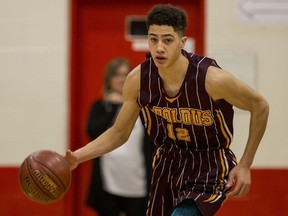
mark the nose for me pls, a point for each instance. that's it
(160, 47)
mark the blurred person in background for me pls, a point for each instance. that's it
(120, 179)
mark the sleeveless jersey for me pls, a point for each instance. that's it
(193, 134)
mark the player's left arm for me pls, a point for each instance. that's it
(223, 85)
(119, 132)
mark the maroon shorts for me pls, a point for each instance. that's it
(181, 174)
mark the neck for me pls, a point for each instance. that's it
(175, 71)
(174, 76)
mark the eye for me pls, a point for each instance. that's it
(153, 39)
(168, 41)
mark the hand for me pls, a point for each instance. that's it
(241, 176)
(71, 158)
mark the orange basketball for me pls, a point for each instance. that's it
(44, 176)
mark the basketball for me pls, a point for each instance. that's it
(44, 176)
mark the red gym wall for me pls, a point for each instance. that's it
(97, 35)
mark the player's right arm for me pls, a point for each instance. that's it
(119, 132)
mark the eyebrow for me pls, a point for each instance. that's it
(164, 35)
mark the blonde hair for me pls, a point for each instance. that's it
(111, 70)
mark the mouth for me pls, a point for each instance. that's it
(160, 59)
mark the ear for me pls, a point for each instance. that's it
(183, 41)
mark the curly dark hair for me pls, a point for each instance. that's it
(167, 15)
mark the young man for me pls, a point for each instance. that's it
(185, 102)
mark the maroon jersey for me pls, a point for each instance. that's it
(193, 134)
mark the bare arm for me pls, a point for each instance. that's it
(222, 85)
(119, 132)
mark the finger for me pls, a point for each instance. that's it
(244, 190)
(235, 191)
(68, 154)
(230, 182)
(240, 190)
(232, 194)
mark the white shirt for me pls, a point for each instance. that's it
(123, 169)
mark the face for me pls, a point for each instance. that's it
(117, 80)
(165, 45)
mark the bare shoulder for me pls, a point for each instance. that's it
(218, 81)
(221, 84)
(132, 84)
(134, 75)
(217, 75)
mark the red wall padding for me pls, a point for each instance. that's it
(268, 197)
(13, 202)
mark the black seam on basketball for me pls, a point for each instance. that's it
(32, 179)
(65, 189)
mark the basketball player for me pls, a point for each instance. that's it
(186, 104)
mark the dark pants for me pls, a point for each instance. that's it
(117, 204)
